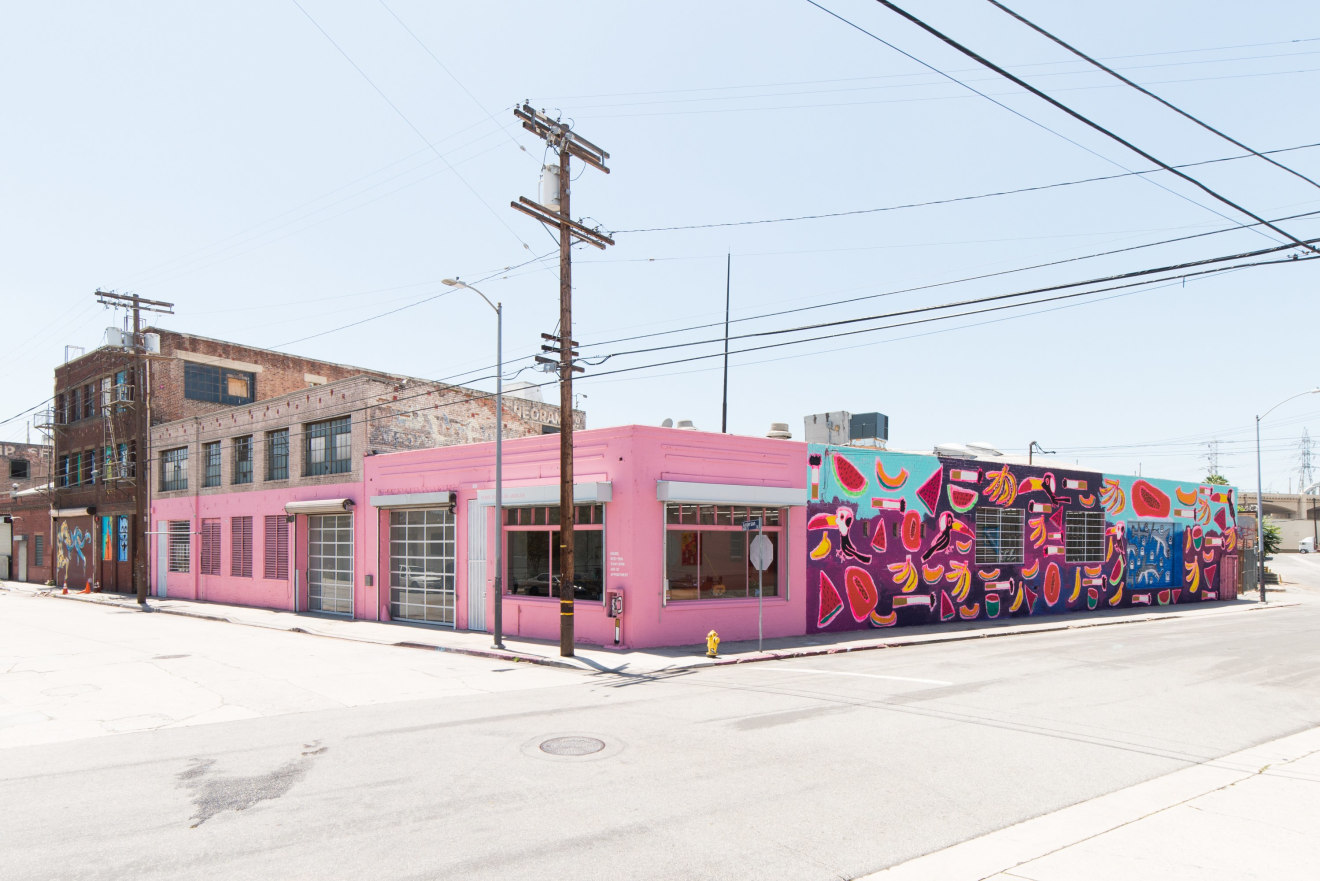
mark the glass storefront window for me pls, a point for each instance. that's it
(532, 556)
(706, 552)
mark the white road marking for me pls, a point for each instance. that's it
(864, 675)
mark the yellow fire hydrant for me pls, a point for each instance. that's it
(712, 644)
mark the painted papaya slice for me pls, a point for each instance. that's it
(912, 531)
(862, 595)
(1053, 584)
(1149, 500)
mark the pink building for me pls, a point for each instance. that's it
(659, 519)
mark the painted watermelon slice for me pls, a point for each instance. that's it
(992, 605)
(851, 480)
(862, 595)
(878, 534)
(962, 499)
(1031, 599)
(929, 492)
(831, 604)
(1221, 518)
(946, 606)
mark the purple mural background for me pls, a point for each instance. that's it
(892, 539)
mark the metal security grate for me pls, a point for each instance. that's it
(240, 547)
(1084, 536)
(210, 559)
(180, 545)
(999, 536)
(277, 547)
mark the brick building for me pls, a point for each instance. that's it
(256, 504)
(26, 502)
(95, 456)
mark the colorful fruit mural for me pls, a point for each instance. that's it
(902, 538)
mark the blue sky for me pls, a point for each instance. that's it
(286, 172)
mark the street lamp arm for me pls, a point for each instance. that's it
(1314, 391)
(455, 283)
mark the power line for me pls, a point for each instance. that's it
(1118, 76)
(1089, 122)
(952, 200)
(410, 125)
(1150, 180)
(1002, 272)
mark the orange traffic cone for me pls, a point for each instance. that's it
(66, 589)
(88, 588)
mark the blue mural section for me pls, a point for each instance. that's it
(902, 538)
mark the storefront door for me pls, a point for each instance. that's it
(330, 563)
(422, 565)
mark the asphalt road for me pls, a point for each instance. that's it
(826, 767)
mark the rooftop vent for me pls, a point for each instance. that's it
(779, 430)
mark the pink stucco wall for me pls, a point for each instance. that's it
(257, 590)
(631, 459)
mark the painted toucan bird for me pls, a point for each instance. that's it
(948, 525)
(842, 520)
(1046, 484)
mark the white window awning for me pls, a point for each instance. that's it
(319, 506)
(441, 499)
(729, 494)
(72, 512)
(548, 494)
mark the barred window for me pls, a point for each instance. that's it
(277, 454)
(1084, 536)
(174, 470)
(180, 551)
(240, 547)
(998, 536)
(243, 459)
(211, 458)
(277, 547)
(327, 449)
(39, 550)
(209, 564)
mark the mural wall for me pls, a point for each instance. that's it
(900, 538)
(73, 552)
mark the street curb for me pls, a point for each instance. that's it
(695, 663)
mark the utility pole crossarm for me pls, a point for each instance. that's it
(561, 136)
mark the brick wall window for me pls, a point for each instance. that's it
(211, 459)
(130, 460)
(1084, 536)
(219, 385)
(209, 563)
(277, 454)
(243, 459)
(180, 550)
(85, 467)
(240, 547)
(121, 386)
(19, 469)
(89, 401)
(277, 547)
(327, 448)
(39, 550)
(60, 403)
(998, 536)
(62, 470)
(174, 471)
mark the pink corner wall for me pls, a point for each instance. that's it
(632, 459)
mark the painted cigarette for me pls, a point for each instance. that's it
(1210, 594)
(1183, 512)
(914, 600)
(1093, 582)
(1075, 484)
(814, 461)
(1053, 551)
(1040, 507)
(1214, 541)
(964, 475)
(889, 504)
(999, 585)
(1141, 599)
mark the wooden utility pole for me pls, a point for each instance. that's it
(558, 135)
(141, 404)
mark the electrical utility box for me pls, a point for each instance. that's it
(868, 427)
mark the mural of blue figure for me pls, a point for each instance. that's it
(1150, 552)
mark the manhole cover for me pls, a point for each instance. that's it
(572, 746)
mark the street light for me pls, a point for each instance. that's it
(1260, 509)
(499, 456)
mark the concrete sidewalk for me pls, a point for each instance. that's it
(596, 659)
(1252, 814)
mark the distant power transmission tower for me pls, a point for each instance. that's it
(1212, 456)
(1307, 469)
